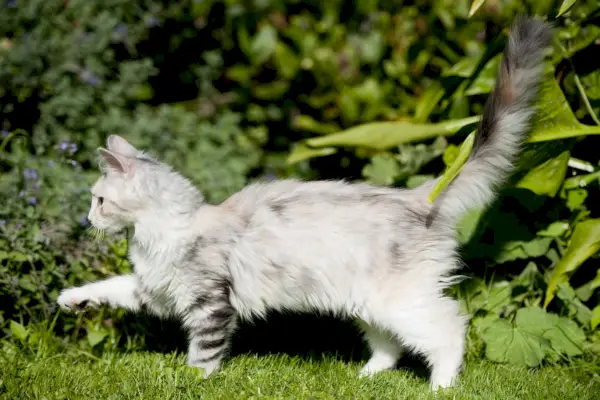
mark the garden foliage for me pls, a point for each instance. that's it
(229, 91)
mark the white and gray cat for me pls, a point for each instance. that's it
(381, 256)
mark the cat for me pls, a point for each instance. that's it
(381, 256)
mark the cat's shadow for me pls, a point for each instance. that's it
(303, 336)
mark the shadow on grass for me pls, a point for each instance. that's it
(305, 336)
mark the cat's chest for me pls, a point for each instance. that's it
(156, 273)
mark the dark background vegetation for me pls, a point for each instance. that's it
(233, 91)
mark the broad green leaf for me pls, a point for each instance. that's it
(584, 243)
(555, 229)
(546, 178)
(95, 337)
(302, 152)
(454, 169)
(517, 249)
(476, 5)
(595, 317)
(506, 343)
(564, 335)
(576, 308)
(565, 6)
(385, 135)
(555, 119)
(382, 170)
(18, 330)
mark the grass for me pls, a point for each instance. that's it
(150, 375)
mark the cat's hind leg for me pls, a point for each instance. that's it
(385, 348)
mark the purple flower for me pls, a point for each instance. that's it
(74, 163)
(88, 77)
(121, 32)
(11, 3)
(83, 221)
(30, 174)
(51, 164)
(2, 222)
(72, 148)
(4, 133)
(64, 145)
(21, 193)
(36, 187)
(32, 201)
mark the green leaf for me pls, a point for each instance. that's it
(595, 317)
(302, 152)
(555, 229)
(564, 335)
(428, 101)
(517, 249)
(506, 343)
(486, 79)
(18, 330)
(454, 169)
(308, 123)
(565, 6)
(475, 6)
(286, 61)
(17, 256)
(263, 45)
(382, 170)
(94, 337)
(555, 119)
(584, 243)
(270, 91)
(591, 84)
(585, 291)
(385, 135)
(576, 308)
(547, 178)
(576, 198)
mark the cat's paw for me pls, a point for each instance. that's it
(75, 299)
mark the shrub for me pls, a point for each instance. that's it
(224, 90)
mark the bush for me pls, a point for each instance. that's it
(231, 91)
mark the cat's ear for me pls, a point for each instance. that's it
(119, 145)
(115, 161)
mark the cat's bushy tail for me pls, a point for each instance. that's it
(505, 121)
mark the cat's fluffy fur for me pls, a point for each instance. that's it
(379, 255)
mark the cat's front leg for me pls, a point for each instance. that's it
(210, 324)
(118, 291)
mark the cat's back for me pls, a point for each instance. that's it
(326, 204)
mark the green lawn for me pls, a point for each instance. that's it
(157, 376)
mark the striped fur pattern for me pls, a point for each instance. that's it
(381, 256)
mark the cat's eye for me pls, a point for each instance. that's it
(100, 200)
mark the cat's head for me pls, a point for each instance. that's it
(133, 185)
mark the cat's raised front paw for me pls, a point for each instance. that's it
(75, 299)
